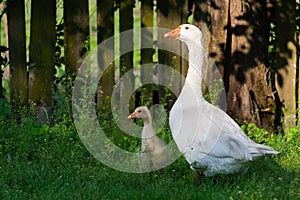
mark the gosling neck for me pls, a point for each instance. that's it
(147, 120)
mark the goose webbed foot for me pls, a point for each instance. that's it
(198, 177)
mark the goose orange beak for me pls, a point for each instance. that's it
(132, 115)
(175, 33)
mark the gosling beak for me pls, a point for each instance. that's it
(132, 115)
(175, 33)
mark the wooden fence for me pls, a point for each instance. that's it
(75, 37)
(237, 36)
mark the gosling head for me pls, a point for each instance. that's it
(141, 112)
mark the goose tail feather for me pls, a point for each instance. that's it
(260, 150)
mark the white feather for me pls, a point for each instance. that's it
(209, 139)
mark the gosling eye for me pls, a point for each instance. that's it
(187, 28)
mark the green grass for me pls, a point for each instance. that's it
(41, 162)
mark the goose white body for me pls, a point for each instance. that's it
(208, 138)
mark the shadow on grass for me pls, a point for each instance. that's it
(39, 163)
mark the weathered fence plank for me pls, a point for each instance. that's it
(250, 96)
(42, 50)
(147, 54)
(76, 30)
(285, 15)
(126, 43)
(17, 53)
(105, 30)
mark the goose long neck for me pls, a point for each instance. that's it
(194, 74)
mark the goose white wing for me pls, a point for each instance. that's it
(193, 127)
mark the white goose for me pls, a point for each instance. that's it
(209, 139)
(156, 153)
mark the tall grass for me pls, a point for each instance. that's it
(50, 162)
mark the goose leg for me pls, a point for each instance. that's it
(162, 171)
(198, 177)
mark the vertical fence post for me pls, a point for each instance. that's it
(17, 51)
(286, 58)
(126, 62)
(76, 33)
(147, 54)
(42, 50)
(105, 30)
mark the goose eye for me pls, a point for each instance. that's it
(186, 28)
(139, 111)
